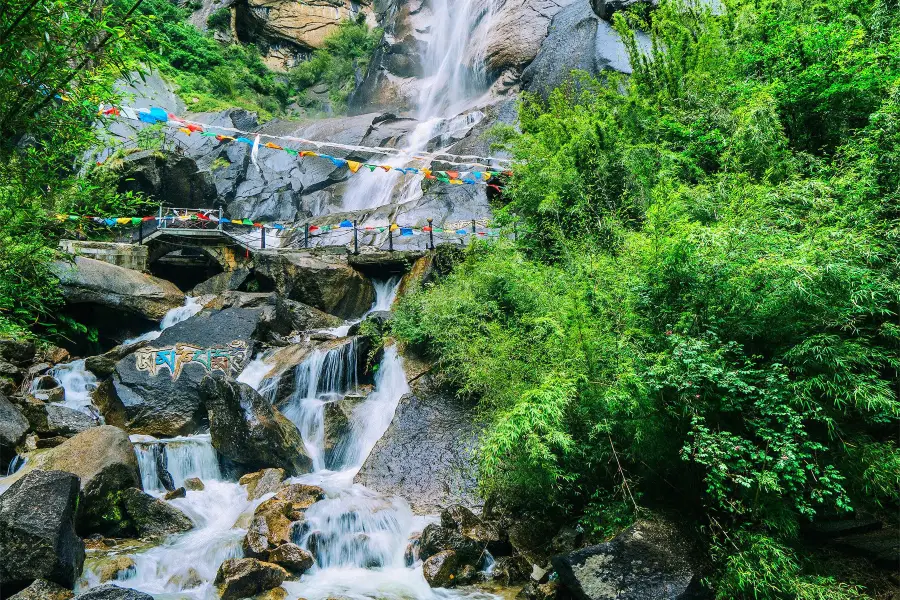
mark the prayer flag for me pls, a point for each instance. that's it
(346, 223)
(353, 165)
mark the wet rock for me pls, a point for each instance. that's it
(194, 484)
(881, 546)
(262, 482)
(186, 580)
(577, 39)
(104, 461)
(105, 364)
(465, 522)
(41, 589)
(176, 493)
(510, 570)
(113, 592)
(242, 577)
(436, 539)
(274, 519)
(16, 351)
(517, 31)
(292, 557)
(146, 516)
(169, 178)
(649, 560)
(248, 430)
(531, 538)
(117, 567)
(89, 281)
(37, 531)
(325, 282)
(440, 569)
(425, 454)
(13, 427)
(156, 391)
(296, 316)
(62, 420)
(223, 282)
(540, 591)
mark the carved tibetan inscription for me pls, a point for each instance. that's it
(225, 359)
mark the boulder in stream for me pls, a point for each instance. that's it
(248, 430)
(90, 281)
(104, 461)
(243, 577)
(324, 281)
(13, 427)
(425, 454)
(37, 531)
(143, 515)
(273, 521)
(114, 592)
(440, 569)
(293, 558)
(156, 390)
(651, 560)
(41, 589)
(262, 482)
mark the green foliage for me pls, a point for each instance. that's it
(339, 65)
(57, 62)
(219, 20)
(702, 308)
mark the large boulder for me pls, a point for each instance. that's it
(156, 390)
(13, 427)
(142, 515)
(169, 178)
(440, 569)
(114, 592)
(42, 589)
(651, 560)
(273, 521)
(517, 31)
(296, 316)
(89, 281)
(425, 456)
(248, 430)
(324, 281)
(104, 365)
(105, 463)
(577, 39)
(243, 577)
(37, 531)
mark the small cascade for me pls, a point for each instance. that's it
(77, 382)
(323, 377)
(385, 293)
(182, 457)
(176, 315)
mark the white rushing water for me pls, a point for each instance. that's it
(176, 315)
(359, 537)
(454, 79)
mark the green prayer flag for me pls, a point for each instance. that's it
(136, 220)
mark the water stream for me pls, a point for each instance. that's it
(454, 80)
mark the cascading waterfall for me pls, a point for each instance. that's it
(176, 315)
(359, 537)
(185, 456)
(455, 76)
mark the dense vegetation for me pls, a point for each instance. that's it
(214, 76)
(703, 312)
(58, 61)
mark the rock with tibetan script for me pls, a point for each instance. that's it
(156, 390)
(247, 429)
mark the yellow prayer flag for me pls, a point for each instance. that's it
(353, 165)
(123, 220)
(394, 227)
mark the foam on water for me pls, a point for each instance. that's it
(174, 316)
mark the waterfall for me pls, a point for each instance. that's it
(77, 382)
(385, 293)
(185, 456)
(174, 316)
(455, 76)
